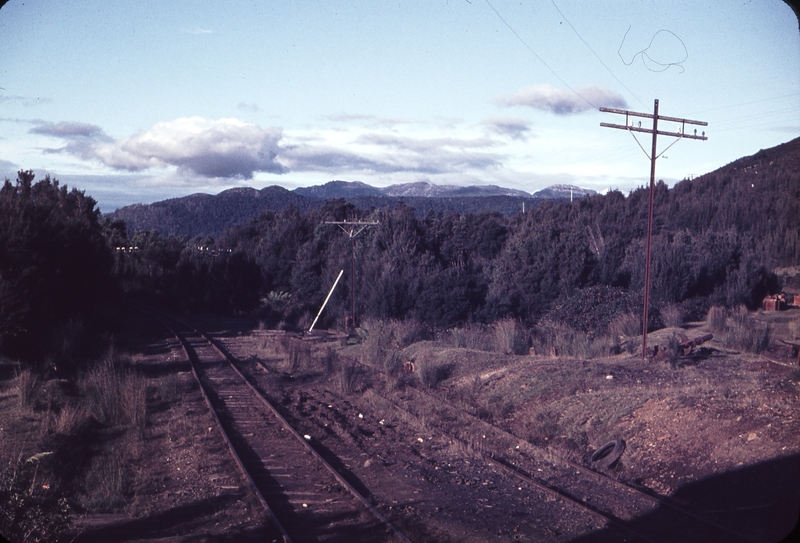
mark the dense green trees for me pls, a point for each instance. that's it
(55, 266)
(449, 268)
(716, 240)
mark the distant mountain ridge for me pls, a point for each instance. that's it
(555, 192)
(422, 189)
(210, 215)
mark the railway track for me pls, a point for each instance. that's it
(613, 502)
(306, 498)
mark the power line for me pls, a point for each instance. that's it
(523, 42)
(595, 54)
(653, 156)
(750, 102)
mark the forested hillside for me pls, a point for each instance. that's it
(717, 240)
(211, 215)
(204, 214)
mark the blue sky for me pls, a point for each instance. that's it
(142, 101)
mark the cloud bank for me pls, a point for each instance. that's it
(205, 147)
(516, 129)
(563, 101)
(231, 148)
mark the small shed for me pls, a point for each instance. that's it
(774, 302)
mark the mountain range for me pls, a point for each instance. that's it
(210, 215)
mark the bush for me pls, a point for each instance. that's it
(432, 373)
(469, 336)
(30, 512)
(674, 351)
(509, 337)
(745, 334)
(105, 485)
(672, 316)
(626, 325)
(348, 378)
(717, 318)
(115, 395)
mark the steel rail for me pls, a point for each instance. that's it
(231, 360)
(191, 356)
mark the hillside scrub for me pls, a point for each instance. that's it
(580, 263)
(55, 271)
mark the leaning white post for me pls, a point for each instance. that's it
(328, 297)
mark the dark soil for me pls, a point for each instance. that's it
(716, 435)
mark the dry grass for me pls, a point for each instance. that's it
(672, 315)
(27, 386)
(115, 394)
(105, 484)
(561, 340)
(509, 337)
(69, 420)
(744, 333)
(626, 325)
(717, 318)
(349, 378)
(469, 336)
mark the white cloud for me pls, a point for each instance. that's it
(515, 128)
(386, 152)
(563, 101)
(209, 148)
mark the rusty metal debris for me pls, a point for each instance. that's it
(686, 346)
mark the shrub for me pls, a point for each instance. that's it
(298, 356)
(169, 387)
(408, 332)
(469, 336)
(348, 378)
(115, 395)
(509, 337)
(717, 318)
(672, 316)
(30, 512)
(69, 420)
(626, 325)
(329, 362)
(674, 351)
(745, 334)
(105, 485)
(432, 373)
(377, 343)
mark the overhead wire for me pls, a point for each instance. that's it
(594, 53)
(643, 53)
(546, 65)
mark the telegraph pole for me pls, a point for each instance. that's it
(680, 134)
(352, 229)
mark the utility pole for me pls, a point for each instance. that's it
(352, 229)
(680, 134)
